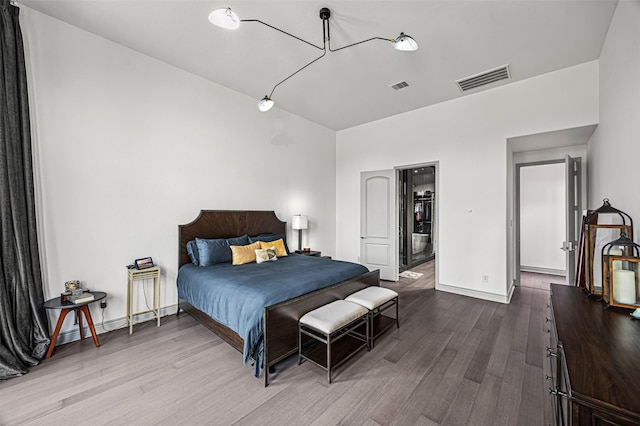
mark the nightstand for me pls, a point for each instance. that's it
(143, 275)
(65, 308)
(309, 253)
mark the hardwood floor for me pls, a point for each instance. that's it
(538, 280)
(426, 281)
(454, 361)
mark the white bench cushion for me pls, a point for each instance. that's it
(333, 316)
(372, 297)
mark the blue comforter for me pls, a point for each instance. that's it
(235, 295)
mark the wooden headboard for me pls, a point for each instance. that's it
(227, 224)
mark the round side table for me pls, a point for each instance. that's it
(65, 308)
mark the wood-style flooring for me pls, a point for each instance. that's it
(540, 281)
(454, 361)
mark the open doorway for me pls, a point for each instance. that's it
(564, 145)
(548, 200)
(542, 227)
(416, 215)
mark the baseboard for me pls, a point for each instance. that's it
(111, 325)
(538, 270)
(493, 297)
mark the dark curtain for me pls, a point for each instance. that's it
(23, 322)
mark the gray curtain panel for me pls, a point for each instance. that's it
(23, 323)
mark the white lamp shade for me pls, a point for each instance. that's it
(299, 222)
(224, 18)
(265, 104)
(405, 43)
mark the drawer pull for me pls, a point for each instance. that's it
(551, 352)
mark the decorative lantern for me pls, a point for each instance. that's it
(601, 226)
(621, 271)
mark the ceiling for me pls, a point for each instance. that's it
(350, 87)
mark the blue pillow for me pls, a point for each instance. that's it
(271, 237)
(192, 251)
(238, 241)
(211, 252)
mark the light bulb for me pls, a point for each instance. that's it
(265, 104)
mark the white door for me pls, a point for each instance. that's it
(572, 198)
(378, 238)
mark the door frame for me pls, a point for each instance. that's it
(516, 217)
(436, 211)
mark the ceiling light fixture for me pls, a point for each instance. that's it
(226, 18)
(265, 104)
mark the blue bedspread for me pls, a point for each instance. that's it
(235, 295)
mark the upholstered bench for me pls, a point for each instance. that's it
(331, 334)
(377, 300)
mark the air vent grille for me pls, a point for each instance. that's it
(399, 85)
(484, 78)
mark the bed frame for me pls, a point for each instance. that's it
(281, 319)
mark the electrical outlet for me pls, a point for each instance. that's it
(103, 304)
(485, 278)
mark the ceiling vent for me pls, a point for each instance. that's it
(399, 85)
(484, 78)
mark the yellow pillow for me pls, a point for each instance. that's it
(244, 254)
(281, 251)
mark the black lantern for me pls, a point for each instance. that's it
(620, 272)
(602, 226)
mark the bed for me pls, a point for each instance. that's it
(256, 307)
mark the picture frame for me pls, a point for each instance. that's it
(144, 263)
(69, 286)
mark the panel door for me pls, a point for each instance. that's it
(378, 223)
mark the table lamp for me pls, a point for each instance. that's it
(299, 222)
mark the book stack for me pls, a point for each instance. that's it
(81, 298)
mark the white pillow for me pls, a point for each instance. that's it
(265, 255)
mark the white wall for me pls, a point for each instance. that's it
(468, 137)
(127, 148)
(614, 148)
(542, 217)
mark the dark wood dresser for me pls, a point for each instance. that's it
(595, 361)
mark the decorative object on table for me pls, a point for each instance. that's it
(144, 263)
(299, 222)
(227, 19)
(601, 226)
(312, 253)
(580, 257)
(620, 270)
(81, 297)
(74, 293)
(69, 286)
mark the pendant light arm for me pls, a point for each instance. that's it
(327, 37)
(359, 42)
(316, 59)
(282, 31)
